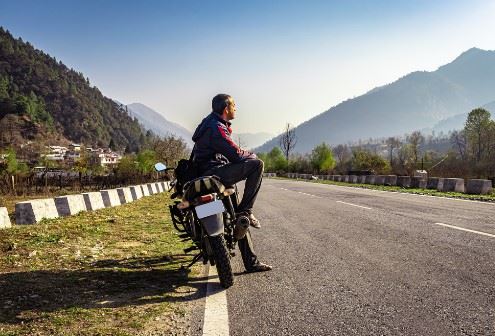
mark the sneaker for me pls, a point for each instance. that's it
(259, 267)
(254, 222)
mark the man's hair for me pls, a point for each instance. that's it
(220, 102)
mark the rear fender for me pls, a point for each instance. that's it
(213, 224)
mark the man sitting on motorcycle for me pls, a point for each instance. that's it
(215, 153)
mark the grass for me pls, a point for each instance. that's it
(431, 192)
(114, 271)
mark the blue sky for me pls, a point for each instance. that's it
(283, 61)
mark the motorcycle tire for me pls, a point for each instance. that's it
(222, 260)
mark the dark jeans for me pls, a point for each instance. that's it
(249, 170)
(252, 172)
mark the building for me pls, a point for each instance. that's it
(75, 147)
(104, 157)
(55, 153)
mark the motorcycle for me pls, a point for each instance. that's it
(207, 215)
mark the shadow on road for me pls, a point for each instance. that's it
(106, 284)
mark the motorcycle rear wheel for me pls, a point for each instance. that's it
(221, 256)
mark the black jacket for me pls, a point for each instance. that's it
(213, 145)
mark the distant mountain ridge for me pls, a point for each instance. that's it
(457, 122)
(416, 101)
(157, 123)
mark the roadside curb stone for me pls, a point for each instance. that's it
(452, 184)
(70, 205)
(479, 187)
(31, 212)
(110, 198)
(93, 200)
(4, 219)
(136, 192)
(434, 183)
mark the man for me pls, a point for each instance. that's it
(216, 154)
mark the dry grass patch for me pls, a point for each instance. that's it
(113, 271)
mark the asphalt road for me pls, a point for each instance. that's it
(351, 261)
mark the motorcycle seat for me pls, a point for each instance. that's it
(202, 186)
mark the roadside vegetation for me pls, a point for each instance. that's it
(114, 271)
(466, 153)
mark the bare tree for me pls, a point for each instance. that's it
(239, 142)
(392, 143)
(416, 139)
(342, 153)
(458, 139)
(288, 140)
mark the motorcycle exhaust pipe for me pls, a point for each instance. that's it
(241, 227)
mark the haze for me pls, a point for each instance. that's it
(282, 61)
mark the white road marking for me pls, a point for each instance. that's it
(300, 192)
(359, 206)
(216, 322)
(467, 230)
(398, 192)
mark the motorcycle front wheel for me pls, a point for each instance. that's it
(221, 257)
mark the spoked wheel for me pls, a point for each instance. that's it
(222, 260)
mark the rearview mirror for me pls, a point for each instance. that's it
(160, 167)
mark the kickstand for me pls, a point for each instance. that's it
(196, 258)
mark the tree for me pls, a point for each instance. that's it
(288, 140)
(146, 160)
(404, 157)
(365, 160)
(127, 166)
(416, 139)
(13, 166)
(168, 150)
(300, 163)
(477, 129)
(458, 139)
(274, 160)
(111, 145)
(4, 87)
(343, 155)
(392, 144)
(322, 158)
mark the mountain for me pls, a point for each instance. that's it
(39, 94)
(415, 101)
(156, 122)
(251, 140)
(457, 122)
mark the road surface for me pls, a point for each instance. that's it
(350, 261)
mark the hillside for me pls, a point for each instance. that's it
(457, 122)
(39, 90)
(156, 122)
(416, 101)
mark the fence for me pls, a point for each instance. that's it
(50, 182)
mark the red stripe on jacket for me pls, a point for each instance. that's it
(229, 140)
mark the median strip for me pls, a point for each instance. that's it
(467, 230)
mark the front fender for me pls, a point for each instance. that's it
(213, 224)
